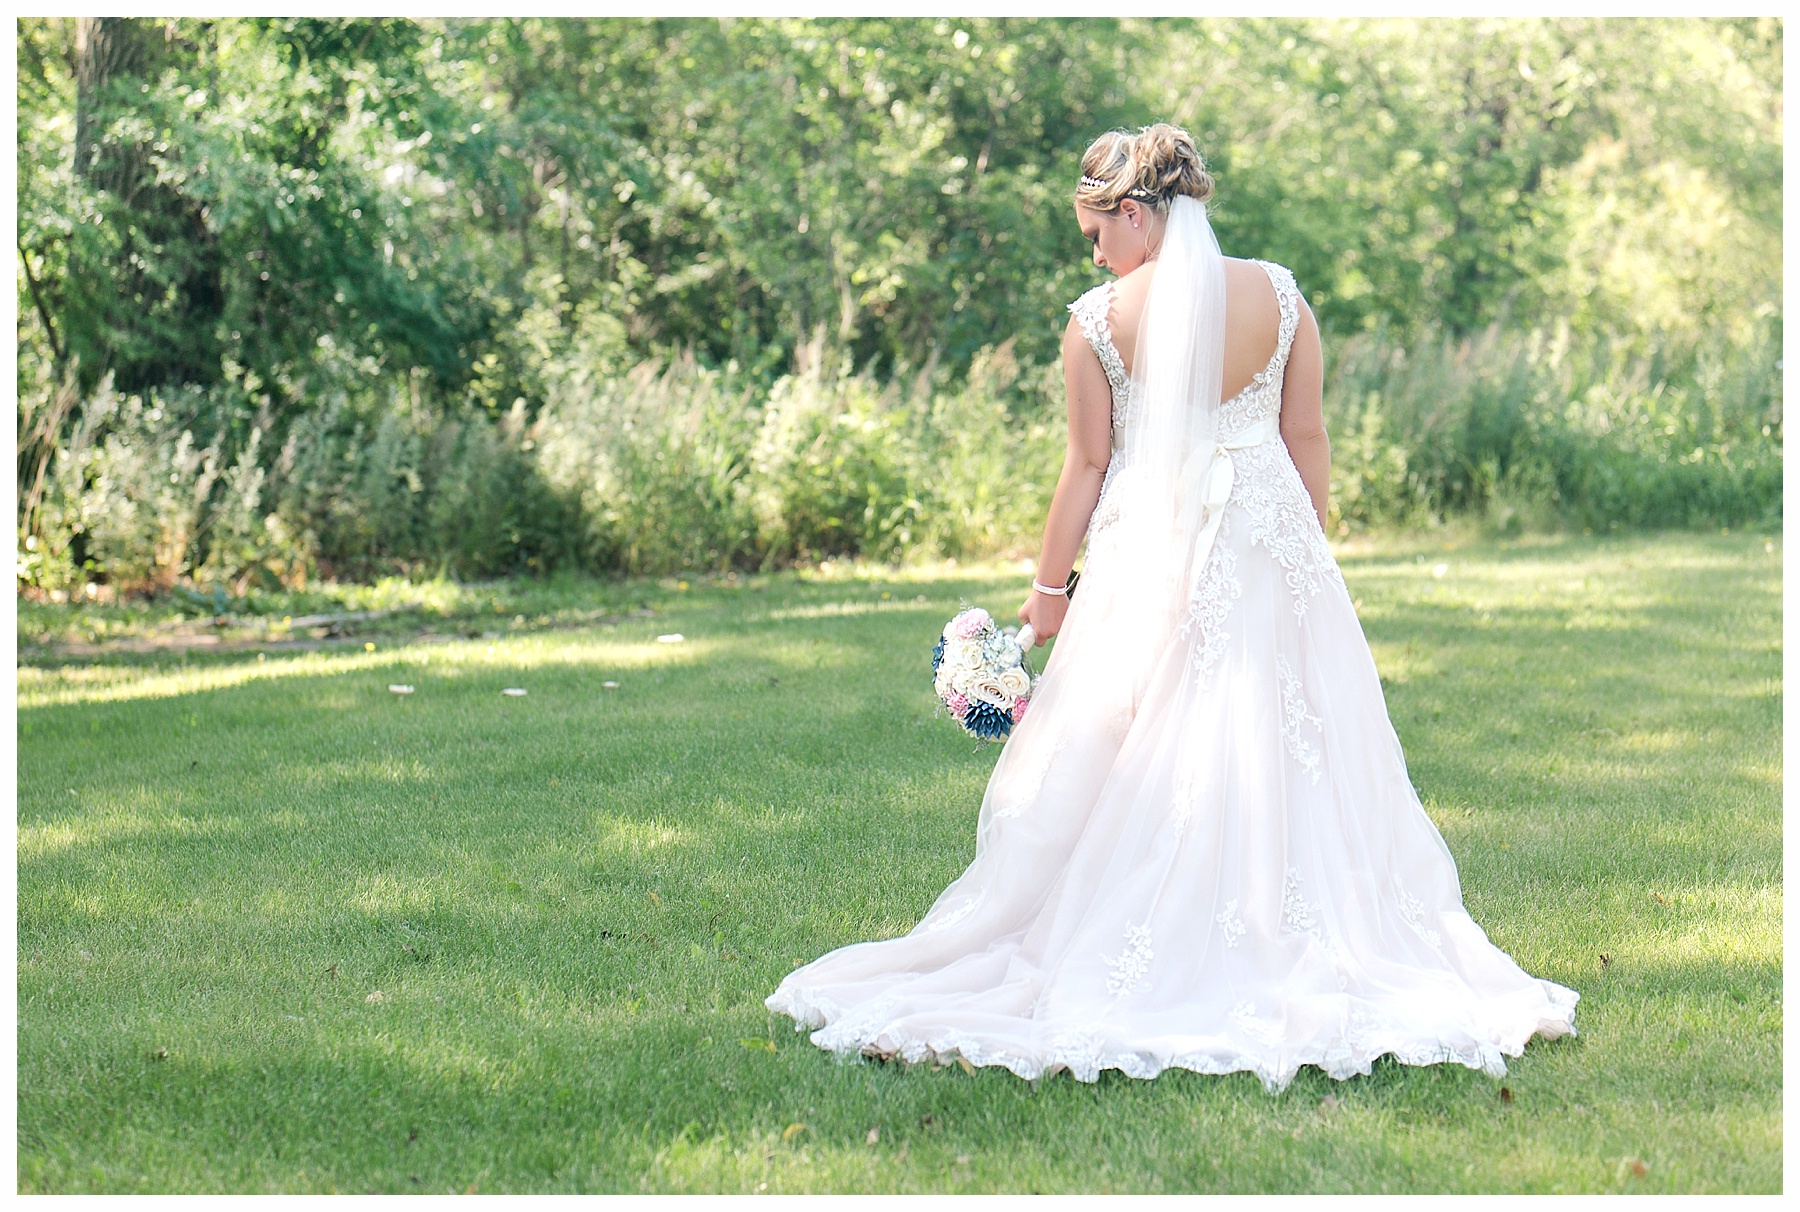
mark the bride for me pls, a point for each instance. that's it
(1200, 849)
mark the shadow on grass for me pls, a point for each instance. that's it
(572, 904)
(548, 1099)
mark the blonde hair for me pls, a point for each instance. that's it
(1155, 166)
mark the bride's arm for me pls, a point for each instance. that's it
(1303, 415)
(1078, 488)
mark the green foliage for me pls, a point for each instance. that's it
(1542, 426)
(677, 466)
(385, 487)
(222, 860)
(226, 209)
(1451, 174)
(134, 493)
(657, 460)
(654, 470)
(402, 261)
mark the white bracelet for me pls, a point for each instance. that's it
(1054, 591)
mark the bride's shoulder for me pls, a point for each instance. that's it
(1255, 267)
(1132, 289)
(1255, 278)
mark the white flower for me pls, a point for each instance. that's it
(1015, 682)
(963, 654)
(988, 689)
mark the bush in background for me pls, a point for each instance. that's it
(487, 297)
(664, 467)
(1537, 428)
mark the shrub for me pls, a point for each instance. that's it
(1593, 433)
(654, 463)
(668, 466)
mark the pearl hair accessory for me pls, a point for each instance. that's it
(1144, 195)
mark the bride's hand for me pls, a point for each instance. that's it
(1045, 613)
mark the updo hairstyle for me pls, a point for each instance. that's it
(1155, 166)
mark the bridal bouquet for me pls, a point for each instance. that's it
(980, 674)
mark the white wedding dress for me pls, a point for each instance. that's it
(1200, 849)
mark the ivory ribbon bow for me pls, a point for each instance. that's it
(1206, 485)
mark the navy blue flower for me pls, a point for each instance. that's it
(987, 721)
(937, 656)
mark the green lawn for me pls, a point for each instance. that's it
(280, 929)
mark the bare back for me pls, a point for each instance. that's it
(1252, 319)
(1101, 342)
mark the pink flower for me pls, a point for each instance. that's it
(958, 704)
(971, 623)
(1018, 711)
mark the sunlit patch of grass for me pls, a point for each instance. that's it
(828, 610)
(1401, 663)
(104, 827)
(639, 838)
(571, 904)
(114, 684)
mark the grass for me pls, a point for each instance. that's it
(282, 930)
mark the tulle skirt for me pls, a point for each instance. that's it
(1199, 850)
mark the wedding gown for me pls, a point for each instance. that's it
(1200, 849)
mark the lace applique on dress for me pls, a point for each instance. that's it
(1106, 509)
(1268, 486)
(1413, 910)
(1296, 914)
(1294, 713)
(1081, 1052)
(1189, 786)
(1212, 601)
(1130, 966)
(1282, 521)
(1090, 311)
(1297, 917)
(1211, 604)
(955, 915)
(1261, 1030)
(856, 1028)
(807, 1007)
(1230, 924)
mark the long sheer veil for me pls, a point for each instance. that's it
(1168, 451)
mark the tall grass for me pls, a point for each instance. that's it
(1539, 428)
(679, 466)
(670, 466)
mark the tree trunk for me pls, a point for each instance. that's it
(160, 291)
(108, 50)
